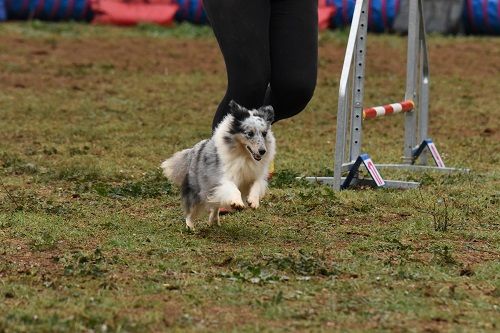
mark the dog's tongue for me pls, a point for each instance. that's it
(255, 156)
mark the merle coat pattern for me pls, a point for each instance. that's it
(228, 170)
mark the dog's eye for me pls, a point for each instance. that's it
(264, 134)
(250, 134)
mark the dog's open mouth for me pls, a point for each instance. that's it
(255, 156)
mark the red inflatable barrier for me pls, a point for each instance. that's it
(325, 13)
(133, 12)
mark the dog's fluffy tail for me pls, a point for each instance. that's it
(176, 167)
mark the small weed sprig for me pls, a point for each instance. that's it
(11, 198)
(442, 255)
(441, 215)
(440, 211)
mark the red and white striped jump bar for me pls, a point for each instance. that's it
(385, 110)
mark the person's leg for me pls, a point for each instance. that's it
(242, 31)
(294, 55)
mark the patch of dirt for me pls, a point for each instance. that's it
(466, 255)
(19, 257)
(36, 63)
(172, 313)
(229, 317)
(447, 58)
(475, 254)
(31, 64)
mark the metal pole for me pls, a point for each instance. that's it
(411, 76)
(358, 86)
(340, 144)
(423, 104)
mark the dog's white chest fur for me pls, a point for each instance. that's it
(238, 165)
(243, 172)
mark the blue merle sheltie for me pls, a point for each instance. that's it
(230, 169)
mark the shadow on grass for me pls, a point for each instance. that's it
(231, 233)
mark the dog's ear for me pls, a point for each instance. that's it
(267, 112)
(238, 111)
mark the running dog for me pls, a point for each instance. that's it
(230, 168)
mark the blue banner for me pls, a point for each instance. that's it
(381, 13)
(49, 10)
(192, 11)
(3, 12)
(482, 16)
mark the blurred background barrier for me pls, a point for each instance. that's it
(442, 16)
(49, 10)
(381, 13)
(191, 11)
(132, 12)
(482, 16)
(3, 13)
(325, 14)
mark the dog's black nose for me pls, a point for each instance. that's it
(262, 151)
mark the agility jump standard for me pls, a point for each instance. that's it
(350, 116)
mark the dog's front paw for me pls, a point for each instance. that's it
(189, 226)
(253, 203)
(237, 205)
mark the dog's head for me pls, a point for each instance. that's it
(251, 129)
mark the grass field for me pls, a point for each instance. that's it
(92, 237)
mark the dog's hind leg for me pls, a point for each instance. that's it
(189, 222)
(214, 216)
(191, 213)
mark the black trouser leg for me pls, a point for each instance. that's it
(242, 31)
(294, 55)
(266, 42)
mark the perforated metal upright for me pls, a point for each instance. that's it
(359, 83)
(350, 115)
(412, 73)
(356, 49)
